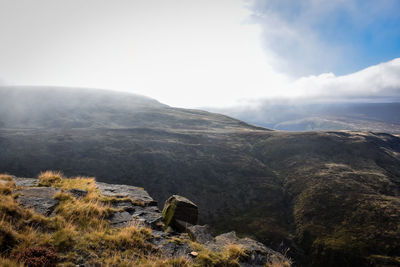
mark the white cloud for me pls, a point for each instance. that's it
(379, 82)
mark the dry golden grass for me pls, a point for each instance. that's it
(7, 187)
(50, 178)
(4, 262)
(133, 236)
(229, 257)
(85, 212)
(276, 261)
(6, 177)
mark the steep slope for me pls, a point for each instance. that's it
(332, 197)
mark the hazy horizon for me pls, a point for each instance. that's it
(206, 53)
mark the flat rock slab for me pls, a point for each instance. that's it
(149, 216)
(137, 194)
(120, 219)
(39, 198)
(25, 181)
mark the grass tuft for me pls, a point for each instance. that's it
(50, 178)
(6, 177)
(229, 257)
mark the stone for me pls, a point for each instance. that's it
(120, 219)
(200, 233)
(125, 205)
(173, 247)
(179, 213)
(257, 253)
(151, 216)
(78, 193)
(136, 194)
(27, 182)
(39, 198)
(194, 254)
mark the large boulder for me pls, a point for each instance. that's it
(180, 213)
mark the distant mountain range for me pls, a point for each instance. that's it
(355, 116)
(332, 197)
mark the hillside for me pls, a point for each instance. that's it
(79, 108)
(293, 116)
(332, 197)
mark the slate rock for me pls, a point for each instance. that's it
(120, 219)
(39, 198)
(137, 194)
(151, 216)
(180, 213)
(125, 205)
(200, 233)
(78, 193)
(27, 182)
(172, 248)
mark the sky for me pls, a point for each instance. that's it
(192, 53)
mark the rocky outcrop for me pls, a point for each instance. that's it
(180, 213)
(132, 204)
